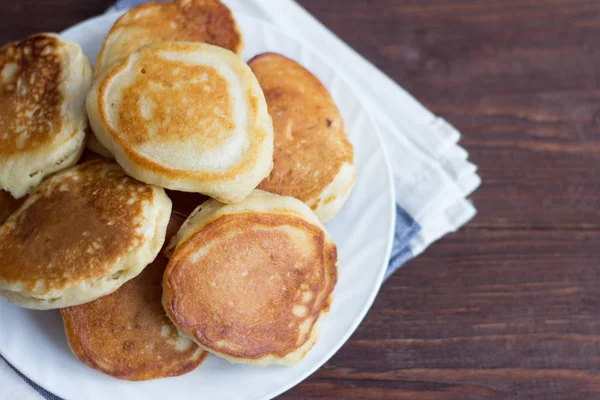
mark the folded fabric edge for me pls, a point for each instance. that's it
(453, 160)
(438, 187)
(438, 224)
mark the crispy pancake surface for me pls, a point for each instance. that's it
(313, 157)
(185, 116)
(251, 282)
(207, 21)
(44, 81)
(127, 334)
(80, 235)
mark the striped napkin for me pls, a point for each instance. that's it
(432, 174)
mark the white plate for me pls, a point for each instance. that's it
(34, 342)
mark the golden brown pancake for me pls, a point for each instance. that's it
(80, 235)
(207, 21)
(127, 333)
(44, 81)
(312, 155)
(8, 205)
(185, 116)
(251, 282)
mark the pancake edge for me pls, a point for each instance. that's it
(215, 210)
(127, 267)
(20, 176)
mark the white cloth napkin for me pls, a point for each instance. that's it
(431, 172)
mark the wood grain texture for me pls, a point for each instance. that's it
(507, 308)
(484, 314)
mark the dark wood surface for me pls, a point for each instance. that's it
(509, 307)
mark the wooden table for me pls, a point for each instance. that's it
(509, 307)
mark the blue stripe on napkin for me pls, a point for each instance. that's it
(125, 4)
(406, 229)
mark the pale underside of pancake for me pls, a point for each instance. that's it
(313, 159)
(185, 116)
(207, 21)
(44, 81)
(80, 235)
(251, 282)
(127, 334)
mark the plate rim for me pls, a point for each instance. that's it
(391, 199)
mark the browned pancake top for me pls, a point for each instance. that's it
(127, 333)
(30, 98)
(251, 285)
(310, 142)
(72, 228)
(172, 106)
(207, 21)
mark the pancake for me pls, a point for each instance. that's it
(185, 116)
(80, 235)
(44, 81)
(313, 157)
(8, 205)
(127, 334)
(251, 282)
(207, 21)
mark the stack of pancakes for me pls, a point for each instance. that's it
(258, 151)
